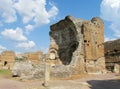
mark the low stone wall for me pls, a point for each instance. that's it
(27, 70)
(60, 71)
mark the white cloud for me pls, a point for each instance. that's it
(29, 28)
(109, 39)
(2, 47)
(8, 12)
(14, 35)
(116, 28)
(31, 11)
(26, 45)
(35, 11)
(27, 12)
(110, 11)
(53, 11)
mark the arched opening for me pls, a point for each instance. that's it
(5, 63)
(52, 55)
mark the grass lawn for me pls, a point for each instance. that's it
(5, 73)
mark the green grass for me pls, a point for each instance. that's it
(5, 73)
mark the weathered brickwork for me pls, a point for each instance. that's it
(33, 56)
(112, 54)
(78, 43)
(7, 59)
(76, 47)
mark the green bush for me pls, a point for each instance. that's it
(19, 59)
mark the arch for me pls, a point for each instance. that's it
(5, 63)
(53, 54)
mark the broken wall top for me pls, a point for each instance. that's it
(7, 52)
(69, 20)
(112, 46)
(112, 51)
(86, 36)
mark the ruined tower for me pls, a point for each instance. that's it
(78, 43)
(7, 59)
(33, 56)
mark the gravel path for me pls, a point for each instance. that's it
(107, 81)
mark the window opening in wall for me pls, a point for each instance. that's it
(115, 50)
(95, 42)
(98, 46)
(5, 63)
(85, 41)
(52, 56)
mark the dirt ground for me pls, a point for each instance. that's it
(105, 81)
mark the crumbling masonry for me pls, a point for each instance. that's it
(76, 47)
(112, 55)
(78, 44)
(7, 59)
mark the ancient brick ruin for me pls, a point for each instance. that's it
(78, 44)
(76, 47)
(33, 56)
(112, 55)
(7, 59)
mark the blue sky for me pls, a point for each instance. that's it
(24, 24)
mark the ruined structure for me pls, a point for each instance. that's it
(112, 55)
(33, 56)
(78, 44)
(30, 65)
(7, 59)
(76, 47)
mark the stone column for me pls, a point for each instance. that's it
(47, 74)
